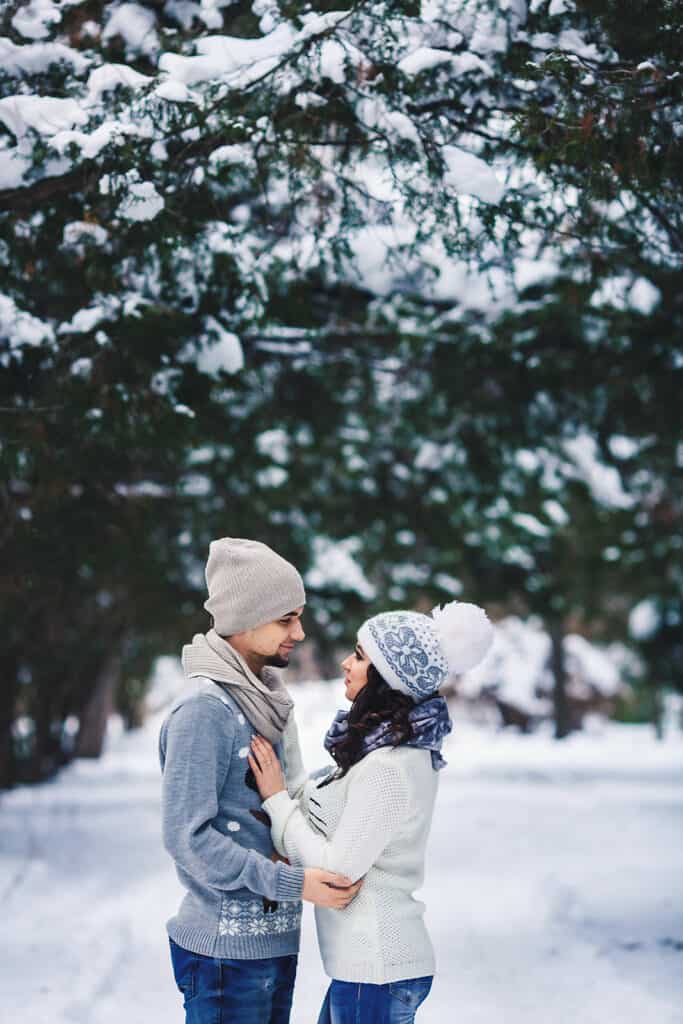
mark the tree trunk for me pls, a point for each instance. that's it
(8, 695)
(47, 752)
(557, 666)
(658, 712)
(95, 714)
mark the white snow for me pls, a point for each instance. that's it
(44, 114)
(626, 292)
(221, 349)
(92, 143)
(235, 154)
(556, 512)
(81, 367)
(433, 456)
(553, 886)
(333, 58)
(527, 460)
(644, 296)
(604, 481)
(464, 62)
(580, 460)
(309, 99)
(196, 484)
(531, 524)
(469, 174)
(224, 55)
(85, 320)
(136, 25)
(644, 619)
(588, 666)
(334, 565)
(33, 20)
(76, 230)
(19, 328)
(274, 443)
(423, 59)
(449, 583)
(271, 476)
(174, 92)
(515, 664)
(184, 12)
(108, 76)
(33, 58)
(239, 61)
(623, 447)
(517, 668)
(142, 489)
(142, 202)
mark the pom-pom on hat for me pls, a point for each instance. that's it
(249, 585)
(416, 653)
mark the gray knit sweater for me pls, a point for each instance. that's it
(239, 902)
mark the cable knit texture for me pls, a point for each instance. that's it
(239, 902)
(372, 823)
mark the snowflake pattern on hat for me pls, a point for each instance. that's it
(410, 647)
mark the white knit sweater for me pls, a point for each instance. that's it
(372, 823)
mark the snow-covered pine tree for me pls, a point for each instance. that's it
(224, 221)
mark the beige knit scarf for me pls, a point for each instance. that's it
(265, 702)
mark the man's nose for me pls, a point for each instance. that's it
(298, 632)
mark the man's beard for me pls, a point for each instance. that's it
(276, 661)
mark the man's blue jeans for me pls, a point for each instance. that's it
(349, 1002)
(219, 991)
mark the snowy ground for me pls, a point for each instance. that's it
(554, 885)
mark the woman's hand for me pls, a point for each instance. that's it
(266, 768)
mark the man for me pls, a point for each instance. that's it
(235, 938)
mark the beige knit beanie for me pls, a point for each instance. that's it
(249, 585)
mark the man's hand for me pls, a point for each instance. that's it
(266, 768)
(327, 889)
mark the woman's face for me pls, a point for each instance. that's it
(355, 672)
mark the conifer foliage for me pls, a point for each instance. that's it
(301, 272)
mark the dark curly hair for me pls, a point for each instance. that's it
(375, 704)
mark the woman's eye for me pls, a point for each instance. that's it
(357, 656)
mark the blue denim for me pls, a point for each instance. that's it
(350, 1002)
(221, 991)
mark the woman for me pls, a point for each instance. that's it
(370, 816)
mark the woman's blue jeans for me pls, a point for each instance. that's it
(349, 1002)
(220, 991)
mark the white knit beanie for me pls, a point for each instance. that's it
(416, 653)
(249, 585)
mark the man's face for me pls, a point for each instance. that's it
(274, 641)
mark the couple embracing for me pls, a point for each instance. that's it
(252, 834)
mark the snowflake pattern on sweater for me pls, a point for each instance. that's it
(240, 918)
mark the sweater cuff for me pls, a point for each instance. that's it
(277, 805)
(290, 882)
(278, 808)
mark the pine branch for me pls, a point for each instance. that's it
(84, 179)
